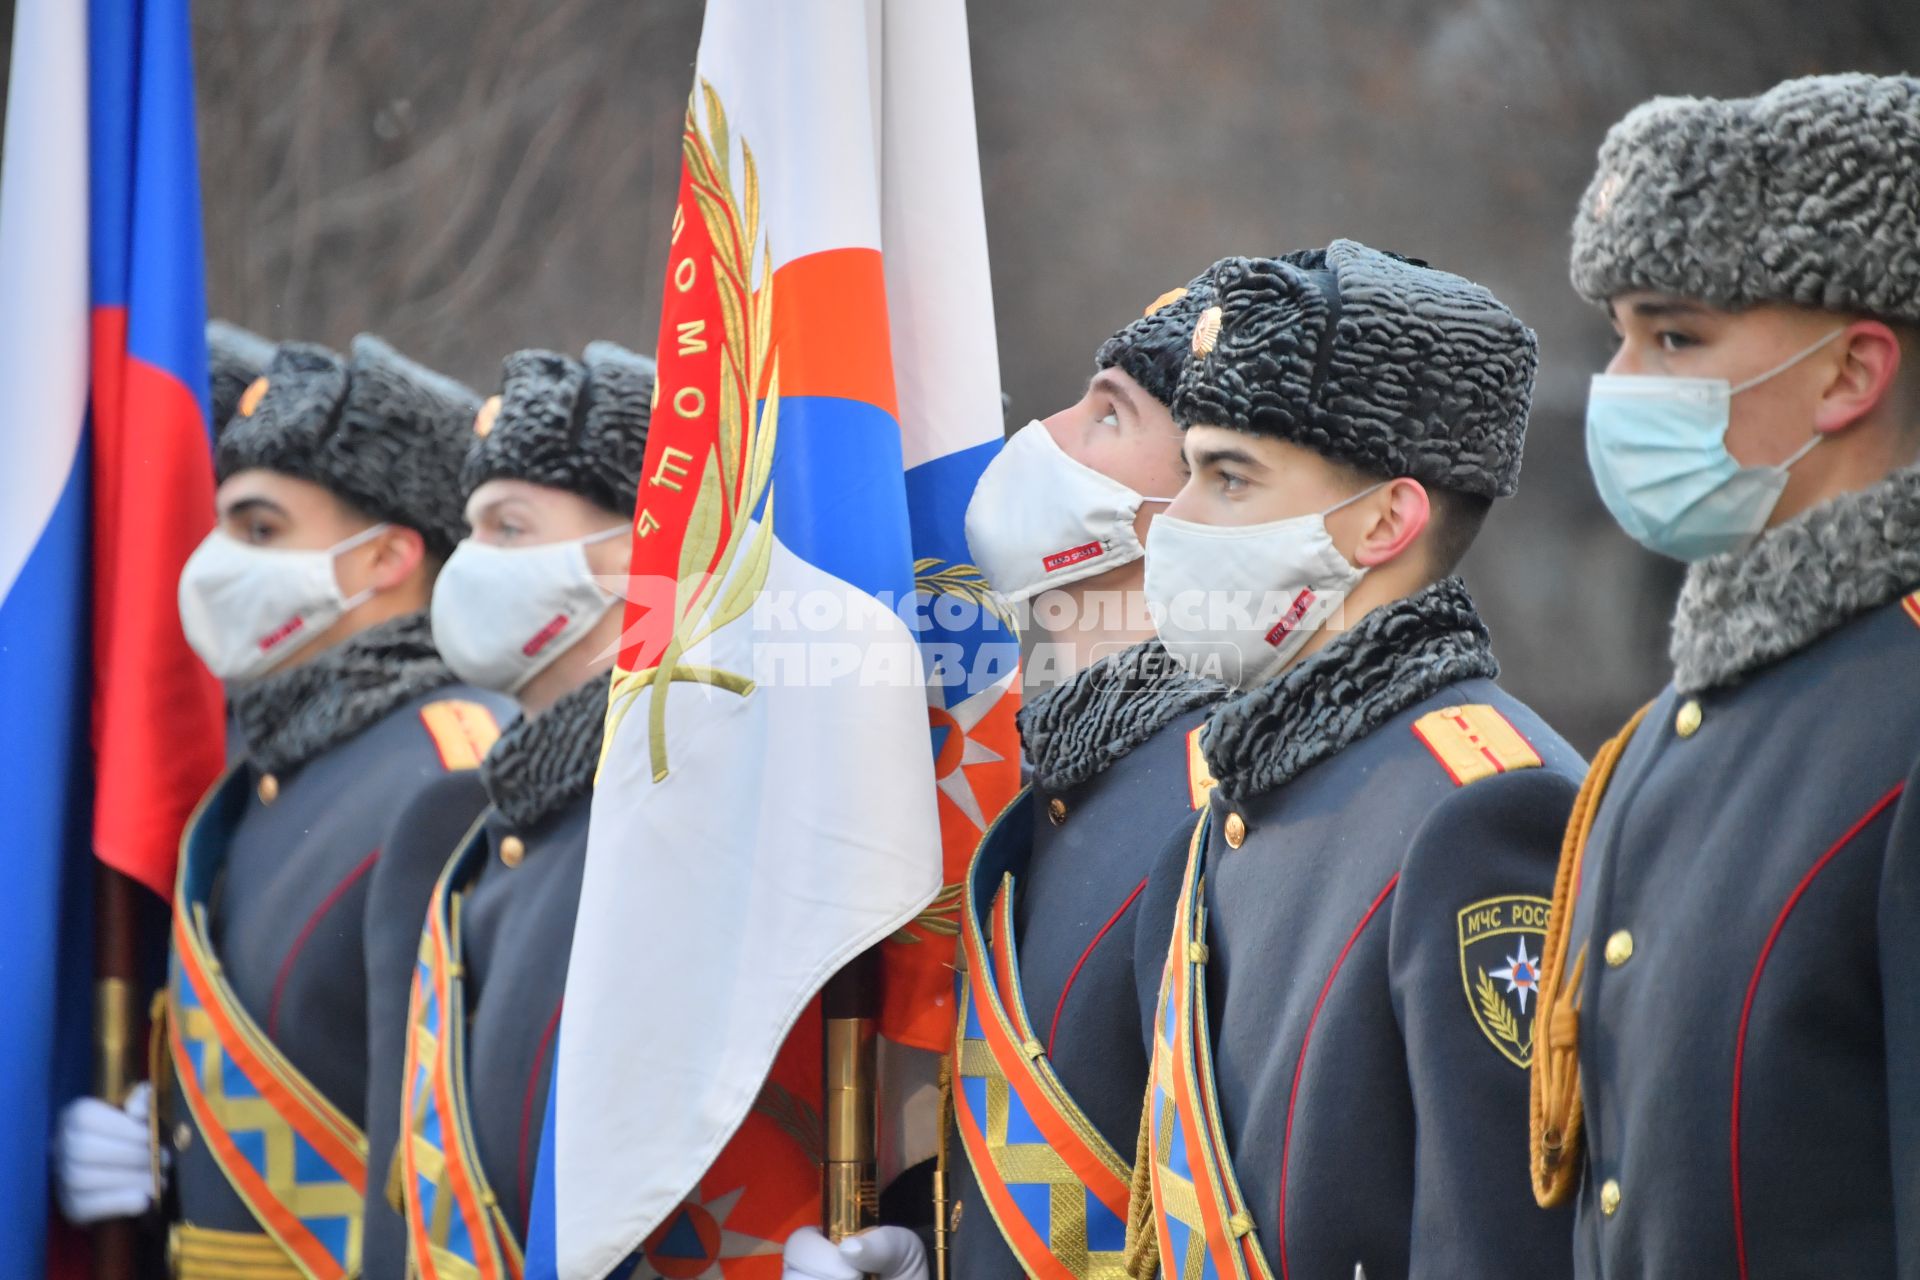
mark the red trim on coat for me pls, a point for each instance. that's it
(1112, 920)
(526, 1108)
(327, 904)
(1293, 1097)
(1753, 986)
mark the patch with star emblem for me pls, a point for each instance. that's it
(1501, 940)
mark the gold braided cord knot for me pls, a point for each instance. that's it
(1554, 1110)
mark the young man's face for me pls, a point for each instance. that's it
(1238, 478)
(267, 509)
(1675, 337)
(1121, 431)
(518, 513)
(264, 508)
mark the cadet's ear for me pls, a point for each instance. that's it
(397, 553)
(1392, 518)
(1864, 377)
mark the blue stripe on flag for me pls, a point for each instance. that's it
(838, 502)
(542, 1262)
(164, 268)
(938, 491)
(144, 221)
(982, 646)
(113, 37)
(44, 685)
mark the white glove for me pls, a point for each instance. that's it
(103, 1159)
(891, 1253)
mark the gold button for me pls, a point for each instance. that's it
(1057, 811)
(512, 850)
(1610, 1197)
(953, 1219)
(1619, 949)
(269, 788)
(1687, 722)
(1236, 831)
(182, 1136)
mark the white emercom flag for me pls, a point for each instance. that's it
(769, 802)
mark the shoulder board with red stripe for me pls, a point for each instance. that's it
(1200, 779)
(462, 732)
(1912, 605)
(1474, 742)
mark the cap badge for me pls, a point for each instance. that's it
(1603, 196)
(483, 421)
(250, 398)
(1206, 331)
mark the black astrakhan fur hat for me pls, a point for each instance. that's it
(236, 357)
(1372, 359)
(576, 426)
(383, 432)
(1153, 349)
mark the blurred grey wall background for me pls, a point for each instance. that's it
(469, 178)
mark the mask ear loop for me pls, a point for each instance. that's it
(1347, 502)
(349, 603)
(1787, 364)
(610, 598)
(1778, 369)
(1801, 452)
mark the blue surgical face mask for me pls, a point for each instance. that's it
(1658, 449)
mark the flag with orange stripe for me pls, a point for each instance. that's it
(811, 719)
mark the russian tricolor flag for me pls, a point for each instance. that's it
(106, 485)
(812, 719)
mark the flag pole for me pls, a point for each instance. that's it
(850, 1007)
(115, 1038)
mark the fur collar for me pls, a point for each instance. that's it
(545, 762)
(1796, 583)
(289, 717)
(1399, 654)
(1076, 730)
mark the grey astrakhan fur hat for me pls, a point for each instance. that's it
(1372, 359)
(576, 426)
(1153, 349)
(1807, 194)
(383, 432)
(235, 358)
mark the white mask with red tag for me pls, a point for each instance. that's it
(246, 609)
(501, 615)
(1041, 518)
(1236, 603)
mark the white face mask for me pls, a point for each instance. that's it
(1238, 602)
(246, 609)
(1040, 518)
(501, 615)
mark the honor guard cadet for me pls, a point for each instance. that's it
(337, 499)
(1047, 1069)
(1728, 1079)
(1341, 1005)
(465, 1006)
